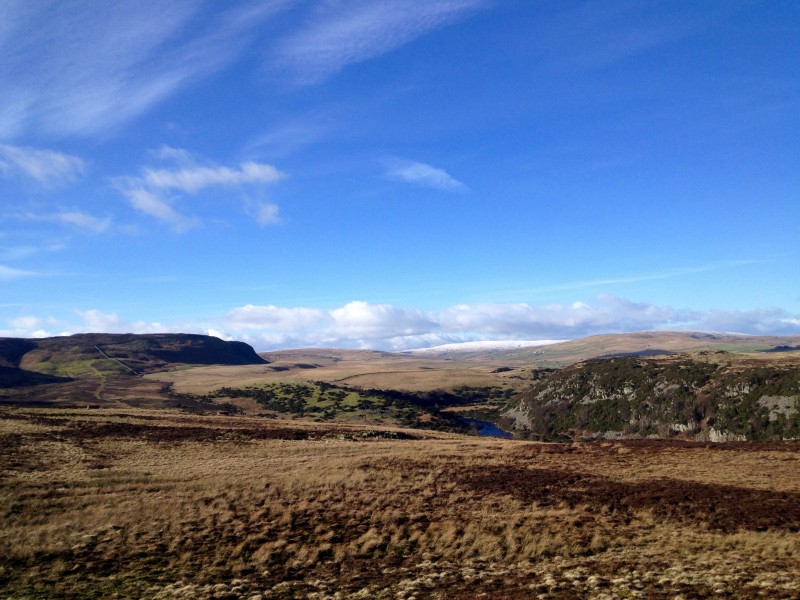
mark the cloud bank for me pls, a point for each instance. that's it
(360, 324)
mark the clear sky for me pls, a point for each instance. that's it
(399, 173)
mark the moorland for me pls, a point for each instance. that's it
(182, 467)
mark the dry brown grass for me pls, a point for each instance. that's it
(166, 505)
(381, 371)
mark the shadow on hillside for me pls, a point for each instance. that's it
(11, 377)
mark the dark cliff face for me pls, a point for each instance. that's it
(637, 397)
(48, 360)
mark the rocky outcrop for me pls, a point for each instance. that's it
(695, 397)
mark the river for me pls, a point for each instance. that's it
(486, 428)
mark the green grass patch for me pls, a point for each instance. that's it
(80, 368)
(326, 401)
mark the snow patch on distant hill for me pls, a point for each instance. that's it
(484, 346)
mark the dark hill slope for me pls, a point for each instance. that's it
(134, 353)
(13, 349)
(708, 396)
(30, 362)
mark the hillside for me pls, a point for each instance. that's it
(103, 368)
(644, 343)
(625, 392)
(140, 353)
(355, 386)
(705, 396)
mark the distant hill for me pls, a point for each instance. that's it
(645, 343)
(714, 396)
(94, 366)
(608, 385)
(111, 352)
(323, 357)
(478, 347)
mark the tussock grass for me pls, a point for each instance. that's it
(165, 505)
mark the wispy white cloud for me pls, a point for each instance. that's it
(48, 167)
(85, 67)
(292, 135)
(425, 175)
(195, 179)
(74, 218)
(151, 204)
(10, 273)
(179, 156)
(600, 34)
(83, 221)
(265, 213)
(15, 252)
(342, 33)
(653, 276)
(86, 321)
(94, 320)
(147, 193)
(250, 317)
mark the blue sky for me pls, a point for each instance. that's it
(399, 173)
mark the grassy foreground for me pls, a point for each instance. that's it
(159, 504)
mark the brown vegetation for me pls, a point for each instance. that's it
(354, 368)
(170, 505)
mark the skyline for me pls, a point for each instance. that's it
(397, 174)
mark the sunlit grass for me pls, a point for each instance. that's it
(150, 512)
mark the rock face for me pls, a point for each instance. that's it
(700, 397)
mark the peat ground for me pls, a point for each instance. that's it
(162, 504)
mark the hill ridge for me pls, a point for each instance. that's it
(63, 358)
